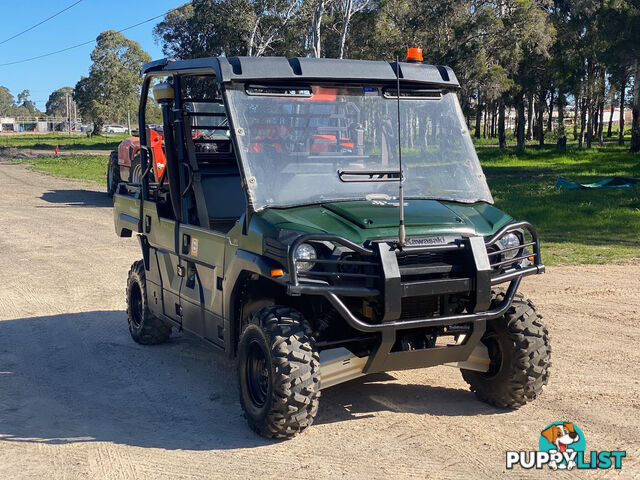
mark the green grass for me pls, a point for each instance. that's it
(83, 167)
(575, 226)
(65, 141)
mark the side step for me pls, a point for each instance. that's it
(478, 360)
(338, 365)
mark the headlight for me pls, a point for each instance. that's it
(510, 240)
(305, 252)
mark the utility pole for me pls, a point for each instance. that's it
(129, 121)
(66, 96)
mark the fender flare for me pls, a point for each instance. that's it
(244, 263)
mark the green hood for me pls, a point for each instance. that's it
(385, 214)
(360, 221)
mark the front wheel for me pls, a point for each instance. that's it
(520, 355)
(279, 372)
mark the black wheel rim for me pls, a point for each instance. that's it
(135, 305)
(492, 342)
(136, 174)
(257, 374)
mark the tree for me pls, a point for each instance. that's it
(25, 107)
(349, 8)
(7, 102)
(619, 24)
(57, 103)
(270, 19)
(205, 28)
(178, 34)
(23, 96)
(635, 122)
(316, 27)
(112, 88)
(30, 107)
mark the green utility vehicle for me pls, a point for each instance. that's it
(321, 220)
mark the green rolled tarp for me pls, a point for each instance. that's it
(611, 182)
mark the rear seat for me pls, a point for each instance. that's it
(221, 182)
(224, 197)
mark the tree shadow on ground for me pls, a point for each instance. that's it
(80, 378)
(77, 198)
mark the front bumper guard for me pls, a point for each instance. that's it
(382, 359)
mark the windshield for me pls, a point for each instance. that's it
(302, 145)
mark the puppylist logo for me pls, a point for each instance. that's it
(562, 447)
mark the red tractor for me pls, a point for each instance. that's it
(125, 164)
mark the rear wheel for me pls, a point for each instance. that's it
(144, 327)
(135, 176)
(113, 174)
(279, 372)
(520, 355)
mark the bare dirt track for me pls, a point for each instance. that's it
(79, 399)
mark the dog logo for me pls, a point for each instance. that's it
(561, 437)
(561, 446)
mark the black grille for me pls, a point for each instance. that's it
(420, 307)
(427, 257)
(425, 265)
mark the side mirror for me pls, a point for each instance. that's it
(163, 93)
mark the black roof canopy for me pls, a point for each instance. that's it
(281, 69)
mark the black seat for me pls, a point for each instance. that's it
(224, 197)
(220, 180)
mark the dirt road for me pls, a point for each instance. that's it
(79, 399)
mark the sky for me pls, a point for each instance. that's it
(84, 22)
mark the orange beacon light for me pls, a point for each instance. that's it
(414, 55)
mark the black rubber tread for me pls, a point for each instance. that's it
(115, 170)
(524, 370)
(151, 329)
(294, 390)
